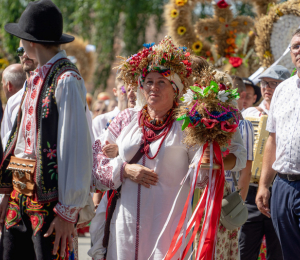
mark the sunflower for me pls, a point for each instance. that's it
(197, 46)
(181, 30)
(174, 13)
(181, 2)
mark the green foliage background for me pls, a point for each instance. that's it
(100, 22)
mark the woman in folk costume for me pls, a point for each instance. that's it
(152, 160)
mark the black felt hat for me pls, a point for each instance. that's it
(257, 91)
(41, 22)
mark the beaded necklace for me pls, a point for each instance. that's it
(155, 122)
(148, 130)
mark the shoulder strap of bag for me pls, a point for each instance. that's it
(234, 179)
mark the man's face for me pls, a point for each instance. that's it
(240, 101)
(267, 86)
(131, 96)
(295, 51)
(119, 91)
(250, 97)
(27, 63)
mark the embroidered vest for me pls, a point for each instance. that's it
(46, 172)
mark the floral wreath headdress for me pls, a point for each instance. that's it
(171, 61)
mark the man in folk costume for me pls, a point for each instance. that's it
(44, 175)
(258, 225)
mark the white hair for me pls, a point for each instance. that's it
(16, 78)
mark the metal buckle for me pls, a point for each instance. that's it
(21, 184)
(21, 174)
(288, 177)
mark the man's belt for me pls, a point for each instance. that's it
(23, 173)
(289, 177)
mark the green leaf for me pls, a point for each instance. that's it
(48, 144)
(205, 91)
(196, 89)
(181, 99)
(181, 117)
(163, 61)
(52, 175)
(214, 86)
(185, 123)
(51, 163)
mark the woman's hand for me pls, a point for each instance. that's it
(140, 174)
(110, 150)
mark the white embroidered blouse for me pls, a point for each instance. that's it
(141, 212)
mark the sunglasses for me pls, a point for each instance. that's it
(20, 51)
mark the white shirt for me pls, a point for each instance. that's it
(284, 120)
(254, 112)
(247, 133)
(10, 113)
(101, 122)
(73, 147)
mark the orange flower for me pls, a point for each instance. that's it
(230, 41)
(180, 2)
(181, 30)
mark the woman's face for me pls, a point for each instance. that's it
(158, 91)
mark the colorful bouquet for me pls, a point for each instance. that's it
(209, 111)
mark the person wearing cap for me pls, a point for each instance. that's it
(258, 225)
(282, 160)
(253, 93)
(51, 137)
(270, 79)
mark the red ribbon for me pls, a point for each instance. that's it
(213, 204)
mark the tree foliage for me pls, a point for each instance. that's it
(100, 22)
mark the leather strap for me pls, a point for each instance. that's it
(289, 177)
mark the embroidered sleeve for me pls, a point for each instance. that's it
(119, 122)
(108, 172)
(74, 147)
(67, 213)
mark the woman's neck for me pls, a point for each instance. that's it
(157, 113)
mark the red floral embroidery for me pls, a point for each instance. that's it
(28, 141)
(209, 123)
(101, 172)
(33, 94)
(68, 213)
(46, 102)
(121, 120)
(30, 110)
(36, 80)
(28, 126)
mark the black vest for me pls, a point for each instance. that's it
(46, 172)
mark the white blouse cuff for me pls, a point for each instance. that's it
(67, 213)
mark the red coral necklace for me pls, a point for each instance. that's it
(149, 130)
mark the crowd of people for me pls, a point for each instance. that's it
(60, 150)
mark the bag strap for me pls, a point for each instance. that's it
(234, 179)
